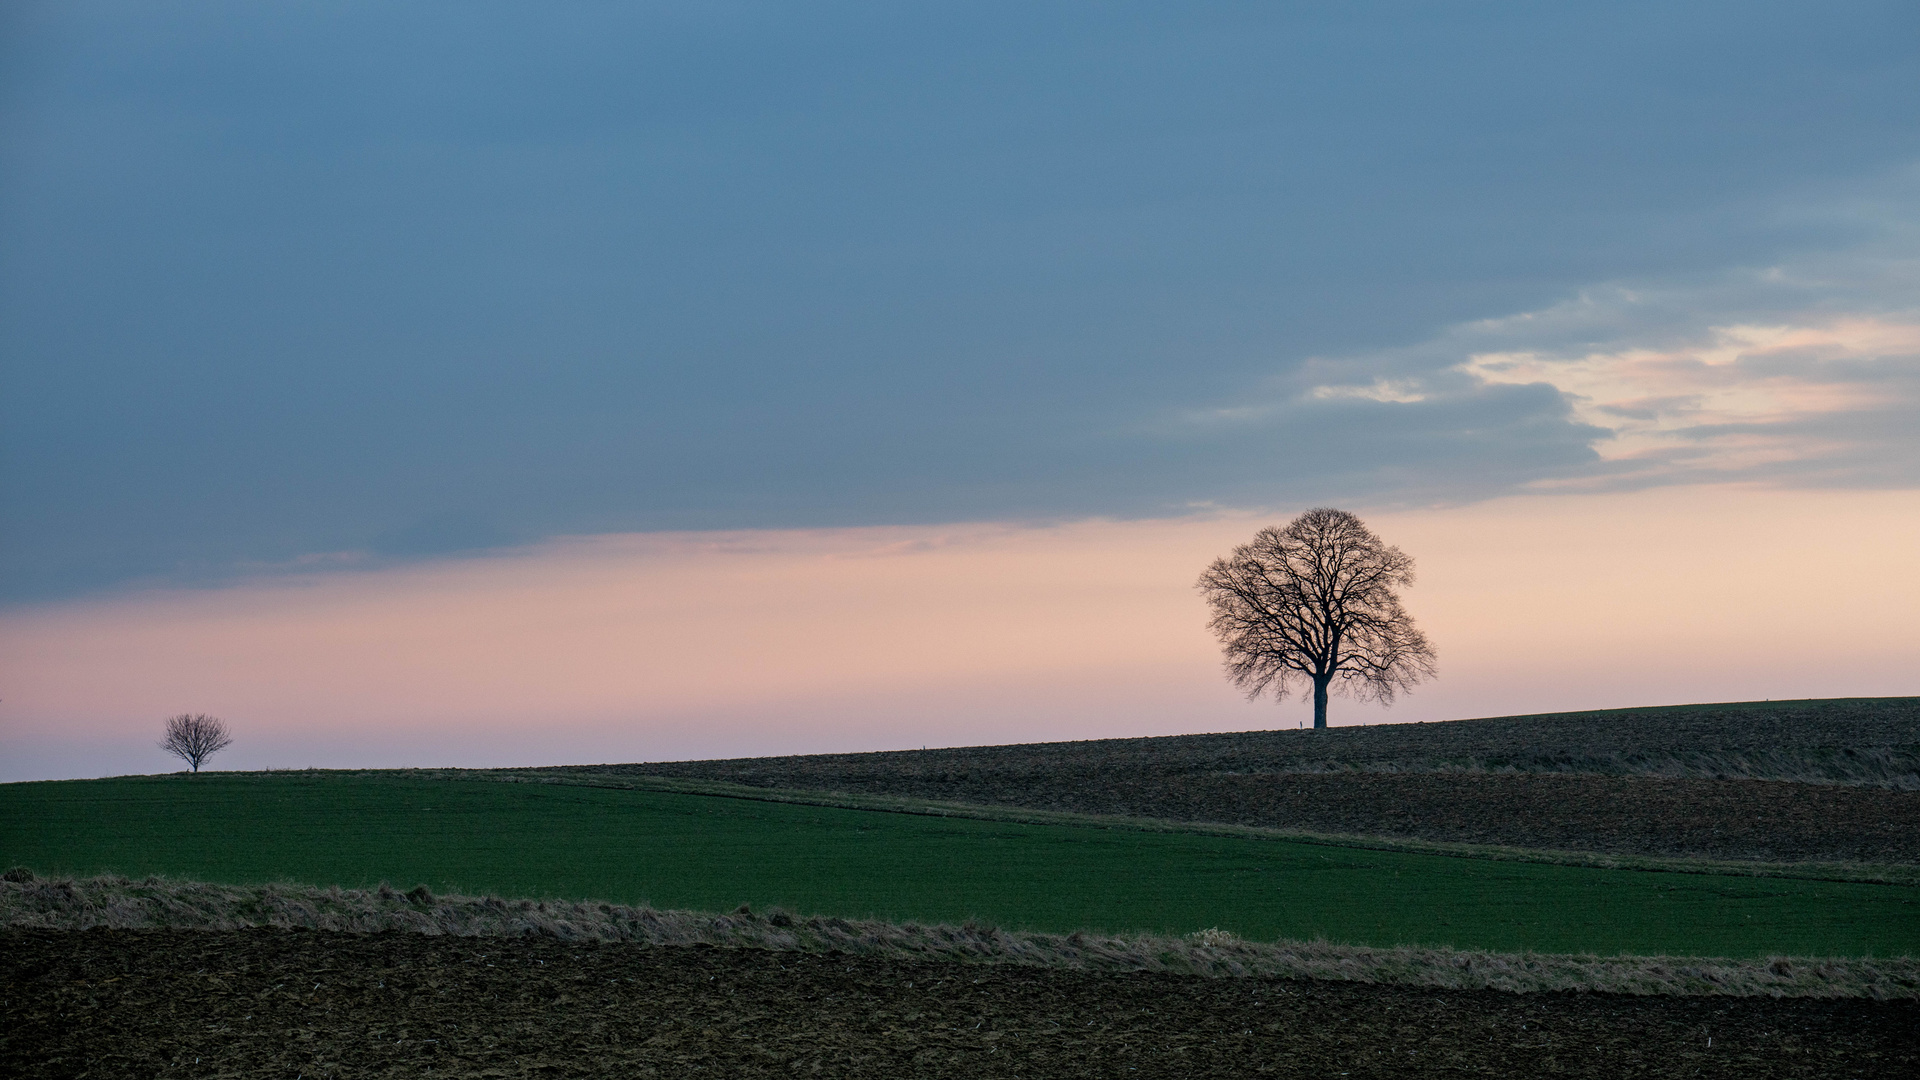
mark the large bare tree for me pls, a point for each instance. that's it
(195, 737)
(1314, 604)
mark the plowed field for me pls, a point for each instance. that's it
(1617, 783)
(1728, 819)
(272, 1003)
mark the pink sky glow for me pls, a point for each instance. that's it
(661, 646)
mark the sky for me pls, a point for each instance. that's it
(483, 384)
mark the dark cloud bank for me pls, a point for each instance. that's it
(417, 278)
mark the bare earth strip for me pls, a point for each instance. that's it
(275, 1002)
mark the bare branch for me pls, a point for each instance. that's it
(195, 737)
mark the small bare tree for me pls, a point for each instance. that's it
(195, 737)
(1314, 604)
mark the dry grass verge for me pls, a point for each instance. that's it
(30, 902)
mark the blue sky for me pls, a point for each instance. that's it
(283, 281)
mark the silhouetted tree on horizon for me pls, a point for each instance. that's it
(1314, 604)
(195, 737)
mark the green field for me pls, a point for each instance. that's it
(711, 853)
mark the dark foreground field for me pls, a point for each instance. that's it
(274, 1003)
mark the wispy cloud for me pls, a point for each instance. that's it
(1742, 402)
(1397, 391)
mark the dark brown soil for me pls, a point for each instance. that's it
(303, 1004)
(1738, 819)
(1582, 782)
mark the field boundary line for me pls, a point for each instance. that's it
(1861, 873)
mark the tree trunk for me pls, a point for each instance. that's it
(1320, 703)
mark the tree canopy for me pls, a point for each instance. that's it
(195, 737)
(1314, 604)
